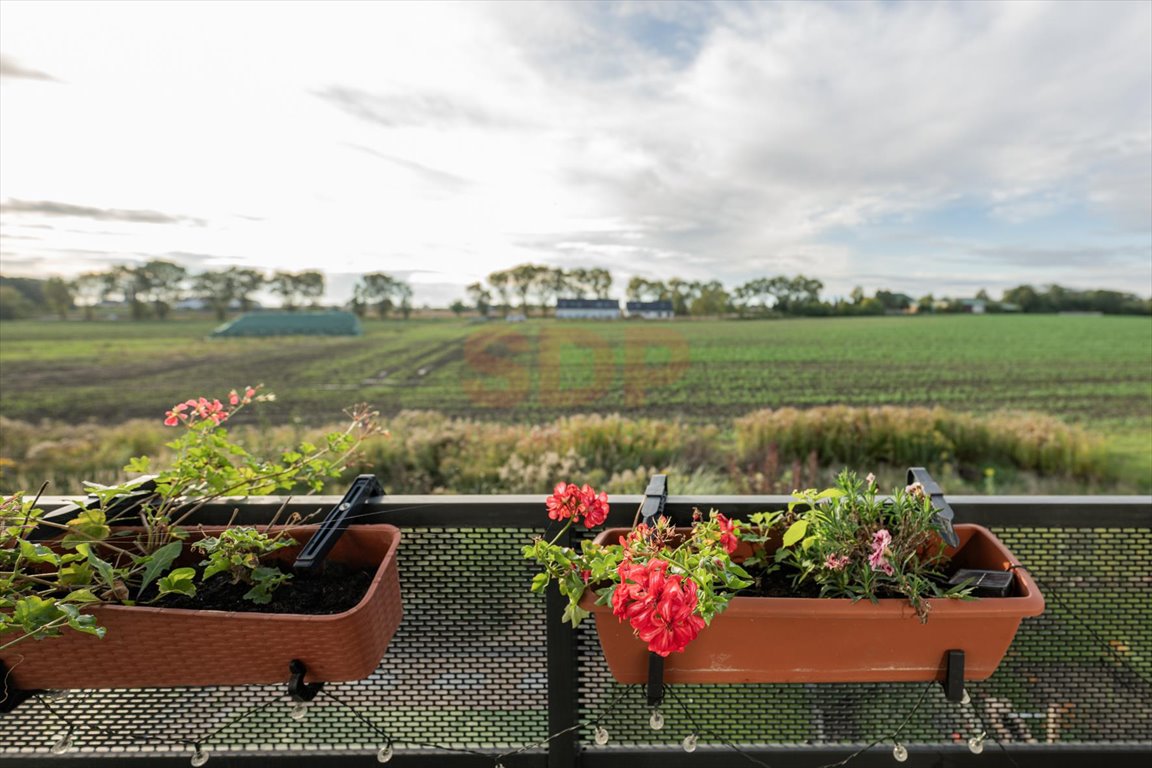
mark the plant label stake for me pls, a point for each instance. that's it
(312, 555)
(944, 513)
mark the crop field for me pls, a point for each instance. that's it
(1084, 369)
(699, 377)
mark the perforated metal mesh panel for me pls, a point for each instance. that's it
(1079, 673)
(468, 670)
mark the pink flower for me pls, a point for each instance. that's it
(234, 398)
(870, 480)
(881, 540)
(836, 562)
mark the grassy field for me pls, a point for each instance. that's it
(1095, 372)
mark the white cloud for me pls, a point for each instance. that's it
(726, 141)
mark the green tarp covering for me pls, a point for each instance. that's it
(292, 324)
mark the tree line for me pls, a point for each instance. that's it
(151, 291)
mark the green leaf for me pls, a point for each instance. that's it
(103, 569)
(795, 532)
(180, 581)
(574, 614)
(539, 582)
(159, 562)
(90, 525)
(36, 553)
(75, 574)
(32, 613)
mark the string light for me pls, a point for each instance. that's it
(899, 752)
(689, 743)
(62, 744)
(199, 756)
(656, 722)
(384, 754)
(299, 711)
(976, 743)
(601, 735)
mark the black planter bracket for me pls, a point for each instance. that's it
(335, 523)
(298, 689)
(655, 499)
(655, 679)
(944, 513)
(953, 682)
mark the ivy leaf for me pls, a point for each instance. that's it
(574, 614)
(37, 553)
(539, 582)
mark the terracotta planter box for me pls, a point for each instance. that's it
(833, 640)
(167, 647)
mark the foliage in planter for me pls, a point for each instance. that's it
(45, 586)
(669, 583)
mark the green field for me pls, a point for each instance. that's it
(1085, 369)
(1095, 372)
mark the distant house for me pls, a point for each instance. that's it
(974, 306)
(587, 309)
(292, 324)
(649, 310)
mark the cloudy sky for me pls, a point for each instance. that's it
(922, 147)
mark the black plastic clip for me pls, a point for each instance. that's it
(953, 682)
(655, 679)
(363, 488)
(297, 688)
(944, 513)
(10, 697)
(655, 498)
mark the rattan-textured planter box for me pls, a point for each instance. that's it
(164, 647)
(818, 640)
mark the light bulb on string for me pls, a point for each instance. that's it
(689, 743)
(656, 722)
(601, 736)
(976, 743)
(899, 752)
(965, 699)
(199, 757)
(56, 696)
(384, 754)
(62, 744)
(299, 711)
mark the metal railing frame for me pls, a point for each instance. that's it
(564, 751)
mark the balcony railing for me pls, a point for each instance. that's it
(482, 673)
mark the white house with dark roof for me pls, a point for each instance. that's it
(650, 310)
(587, 309)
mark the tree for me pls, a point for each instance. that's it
(601, 282)
(217, 289)
(501, 282)
(711, 299)
(523, 279)
(404, 292)
(90, 289)
(58, 296)
(481, 298)
(14, 305)
(458, 307)
(293, 287)
(376, 289)
(161, 283)
(245, 282)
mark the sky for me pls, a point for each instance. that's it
(918, 147)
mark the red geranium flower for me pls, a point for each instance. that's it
(661, 607)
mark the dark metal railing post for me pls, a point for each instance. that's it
(563, 708)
